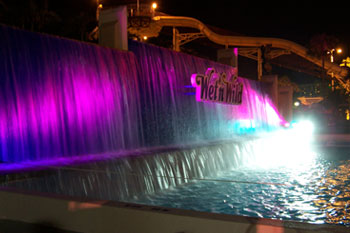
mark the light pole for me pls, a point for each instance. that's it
(154, 7)
(331, 53)
(98, 9)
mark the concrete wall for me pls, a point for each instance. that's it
(271, 87)
(285, 102)
(281, 96)
(105, 217)
(113, 31)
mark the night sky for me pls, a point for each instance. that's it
(73, 18)
(298, 24)
(289, 21)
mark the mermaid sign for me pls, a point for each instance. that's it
(215, 87)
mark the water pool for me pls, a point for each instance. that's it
(316, 191)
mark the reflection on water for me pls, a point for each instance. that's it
(317, 193)
(333, 194)
(315, 190)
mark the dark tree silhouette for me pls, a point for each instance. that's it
(321, 43)
(72, 19)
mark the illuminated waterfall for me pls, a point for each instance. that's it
(64, 98)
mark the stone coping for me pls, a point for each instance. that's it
(76, 204)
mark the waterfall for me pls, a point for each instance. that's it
(134, 176)
(64, 98)
(173, 116)
(61, 97)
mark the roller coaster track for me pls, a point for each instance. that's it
(287, 46)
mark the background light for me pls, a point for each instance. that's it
(289, 148)
(154, 6)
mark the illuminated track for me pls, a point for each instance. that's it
(243, 41)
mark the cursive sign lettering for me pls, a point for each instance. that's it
(215, 87)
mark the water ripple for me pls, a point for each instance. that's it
(317, 195)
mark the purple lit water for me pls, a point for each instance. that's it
(63, 98)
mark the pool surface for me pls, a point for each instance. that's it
(314, 189)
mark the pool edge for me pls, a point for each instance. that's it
(84, 215)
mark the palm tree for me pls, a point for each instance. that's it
(320, 46)
(3, 8)
(2, 4)
(32, 15)
(40, 16)
(321, 43)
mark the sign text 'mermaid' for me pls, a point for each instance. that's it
(216, 88)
